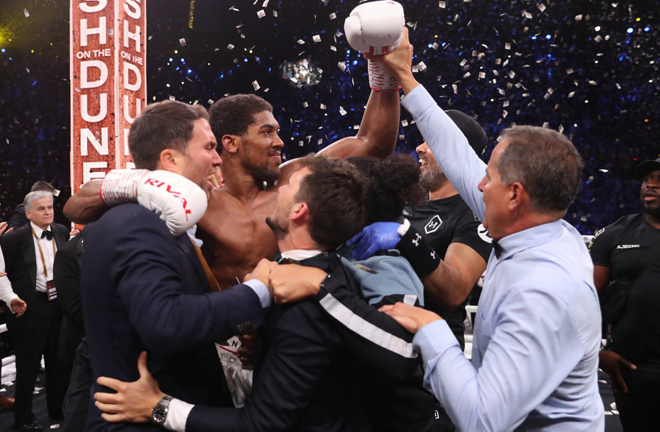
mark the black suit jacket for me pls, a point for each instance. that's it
(323, 362)
(21, 261)
(144, 289)
(66, 275)
(305, 378)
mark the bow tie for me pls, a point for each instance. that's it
(287, 261)
(497, 247)
(47, 234)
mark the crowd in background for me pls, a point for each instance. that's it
(587, 68)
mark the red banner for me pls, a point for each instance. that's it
(108, 83)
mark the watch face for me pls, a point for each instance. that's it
(159, 414)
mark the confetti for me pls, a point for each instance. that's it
(261, 13)
(27, 14)
(256, 86)
(182, 42)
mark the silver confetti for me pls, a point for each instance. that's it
(261, 13)
(256, 86)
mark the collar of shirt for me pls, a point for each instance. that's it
(300, 254)
(191, 233)
(38, 231)
(529, 238)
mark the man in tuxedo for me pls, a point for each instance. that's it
(146, 289)
(34, 319)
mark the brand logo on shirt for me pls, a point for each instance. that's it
(483, 234)
(634, 246)
(433, 225)
(599, 232)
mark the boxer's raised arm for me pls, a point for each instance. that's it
(378, 131)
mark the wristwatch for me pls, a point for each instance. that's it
(159, 413)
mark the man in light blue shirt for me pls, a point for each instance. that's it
(537, 333)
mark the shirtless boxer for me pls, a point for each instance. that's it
(234, 231)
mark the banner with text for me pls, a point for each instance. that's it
(108, 84)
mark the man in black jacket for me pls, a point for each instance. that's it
(29, 253)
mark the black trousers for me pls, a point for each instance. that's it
(638, 408)
(76, 402)
(36, 333)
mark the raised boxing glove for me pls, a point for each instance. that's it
(174, 198)
(376, 28)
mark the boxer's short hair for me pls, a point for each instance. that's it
(232, 115)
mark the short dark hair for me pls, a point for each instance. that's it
(162, 125)
(394, 182)
(336, 194)
(42, 186)
(546, 163)
(232, 115)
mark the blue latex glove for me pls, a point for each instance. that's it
(375, 237)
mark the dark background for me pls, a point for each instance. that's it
(588, 68)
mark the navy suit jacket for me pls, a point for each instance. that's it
(144, 289)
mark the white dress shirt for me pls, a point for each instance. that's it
(48, 247)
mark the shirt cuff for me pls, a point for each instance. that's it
(417, 101)
(177, 415)
(8, 298)
(261, 291)
(434, 339)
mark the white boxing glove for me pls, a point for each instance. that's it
(174, 198)
(376, 28)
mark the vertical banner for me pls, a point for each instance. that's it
(108, 83)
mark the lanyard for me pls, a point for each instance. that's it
(41, 252)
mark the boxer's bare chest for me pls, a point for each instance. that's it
(236, 236)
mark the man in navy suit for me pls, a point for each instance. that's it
(34, 319)
(145, 289)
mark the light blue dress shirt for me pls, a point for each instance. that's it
(537, 333)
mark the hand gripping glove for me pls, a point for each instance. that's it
(376, 28)
(174, 198)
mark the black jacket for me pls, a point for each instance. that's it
(310, 367)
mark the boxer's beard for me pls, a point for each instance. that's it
(262, 174)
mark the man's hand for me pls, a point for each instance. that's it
(248, 343)
(611, 362)
(134, 401)
(410, 317)
(261, 271)
(375, 237)
(399, 63)
(74, 232)
(3, 227)
(18, 306)
(293, 282)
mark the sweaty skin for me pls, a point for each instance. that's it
(233, 229)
